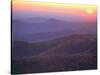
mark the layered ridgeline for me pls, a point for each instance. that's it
(76, 52)
(43, 29)
(62, 46)
(53, 45)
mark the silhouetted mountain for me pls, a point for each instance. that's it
(47, 45)
(34, 19)
(48, 29)
(61, 46)
(76, 52)
(73, 44)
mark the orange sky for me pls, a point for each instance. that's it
(88, 12)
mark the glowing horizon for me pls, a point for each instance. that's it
(88, 12)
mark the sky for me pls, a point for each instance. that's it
(67, 12)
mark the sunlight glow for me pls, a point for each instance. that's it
(90, 11)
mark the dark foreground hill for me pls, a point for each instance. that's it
(76, 52)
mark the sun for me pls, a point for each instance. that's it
(89, 11)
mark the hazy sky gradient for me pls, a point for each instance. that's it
(67, 12)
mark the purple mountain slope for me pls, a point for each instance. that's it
(49, 29)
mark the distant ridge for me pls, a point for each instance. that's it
(62, 46)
